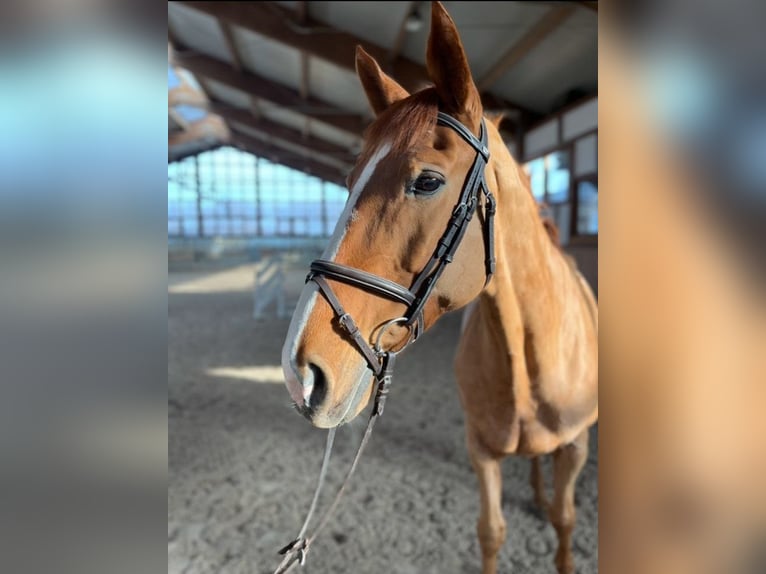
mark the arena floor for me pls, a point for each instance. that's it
(243, 464)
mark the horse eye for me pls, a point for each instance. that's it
(426, 185)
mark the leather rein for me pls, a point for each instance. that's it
(382, 362)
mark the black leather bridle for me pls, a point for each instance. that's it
(415, 297)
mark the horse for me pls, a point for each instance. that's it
(526, 364)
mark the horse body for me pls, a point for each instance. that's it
(514, 411)
(527, 360)
(527, 367)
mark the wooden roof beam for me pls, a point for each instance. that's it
(541, 30)
(333, 45)
(311, 143)
(289, 159)
(231, 44)
(256, 121)
(266, 89)
(305, 87)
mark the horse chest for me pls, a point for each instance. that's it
(514, 406)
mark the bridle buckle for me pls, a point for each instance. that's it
(347, 322)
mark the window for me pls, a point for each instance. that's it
(587, 207)
(231, 193)
(550, 178)
(565, 183)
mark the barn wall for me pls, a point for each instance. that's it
(573, 129)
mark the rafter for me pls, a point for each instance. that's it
(257, 122)
(289, 159)
(547, 24)
(315, 38)
(231, 44)
(312, 143)
(273, 21)
(268, 90)
(173, 45)
(302, 12)
(305, 87)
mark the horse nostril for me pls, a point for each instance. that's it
(319, 389)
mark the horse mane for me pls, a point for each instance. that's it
(549, 224)
(551, 228)
(404, 125)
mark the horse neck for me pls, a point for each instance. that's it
(532, 277)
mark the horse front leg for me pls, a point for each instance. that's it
(491, 526)
(537, 481)
(568, 461)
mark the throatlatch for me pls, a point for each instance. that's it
(382, 362)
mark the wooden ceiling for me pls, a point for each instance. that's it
(277, 78)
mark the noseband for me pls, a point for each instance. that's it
(415, 297)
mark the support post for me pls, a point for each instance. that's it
(200, 219)
(258, 213)
(324, 209)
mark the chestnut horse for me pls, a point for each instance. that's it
(527, 360)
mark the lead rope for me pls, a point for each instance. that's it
(295, 552)
(299, 545)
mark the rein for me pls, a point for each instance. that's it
(382, 362)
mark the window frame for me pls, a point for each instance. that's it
(575, 237)
(578, 238)
(568, 148)
(592, 177)
(240, 195)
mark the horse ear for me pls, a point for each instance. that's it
(381, 90)
(448, 65)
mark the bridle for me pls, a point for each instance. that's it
(415, 297)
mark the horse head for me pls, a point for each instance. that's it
(403, 191)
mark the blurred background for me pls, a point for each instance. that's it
(683, 329)
(104, 468)
(265, 119)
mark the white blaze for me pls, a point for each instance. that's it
(301, 392)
